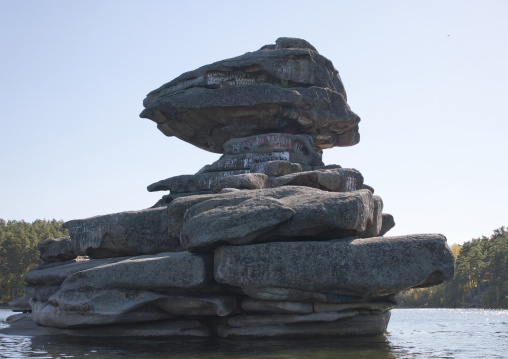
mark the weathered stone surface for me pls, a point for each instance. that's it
(70, 308)
(318, 214)
(243, 181)
(166, 199)
(123, 234)
(149, 272)
(334, 180)
(273, 142)
(20, 304)
(387, 223)
(40, 292)
(137, 289)
(246, 153)
(286, 90)
(248, 320)
(374, 228)
(191, 183)
(54, 275)
(370, 267)
(334, 307)
(270, 306)
(57, 250)
(93, 313)
(237, 224)
(277, 168)
(23, 324)
(372, 324)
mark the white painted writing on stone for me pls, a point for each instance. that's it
(225, 79)
(276, 141)
(350, 183)
(86, 234)
(251, 158)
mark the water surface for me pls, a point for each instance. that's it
(412, 333)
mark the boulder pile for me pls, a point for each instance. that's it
(267, 241)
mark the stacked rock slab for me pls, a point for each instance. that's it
(265, 242)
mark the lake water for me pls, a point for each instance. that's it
(412, 333)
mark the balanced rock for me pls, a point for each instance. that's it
(279, 89)
(267, 241)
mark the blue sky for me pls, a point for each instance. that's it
(428, 78)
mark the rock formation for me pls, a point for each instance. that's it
(266, 241)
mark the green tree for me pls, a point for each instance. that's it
(19, 253)
(481, 269)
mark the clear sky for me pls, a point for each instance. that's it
(428, 78)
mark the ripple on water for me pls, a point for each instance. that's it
(412, 333)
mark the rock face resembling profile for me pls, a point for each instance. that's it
(267, 241)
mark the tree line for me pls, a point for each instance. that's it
(481, 277)
(19, 253)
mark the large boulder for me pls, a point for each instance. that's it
(365, 268)
(273, 214)
(123, 234)
(278, 88)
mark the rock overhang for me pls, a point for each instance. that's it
(278, 88)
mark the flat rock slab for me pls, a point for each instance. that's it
(150, 272)
(81, 308)
(257, 306)
(333, 180)
(284, 213)
(23, 325)
(54, 275)
(243, 181)
(123, 234)
(357, 325)
(191, 183)
(371, 267)
(279, 89)
(250, 305)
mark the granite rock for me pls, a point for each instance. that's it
(286, 90)
(243, 181)
(358, 325)
(388, 223)
(20, 304)
(333, 180)
(250, 305)
(57, 250)
(371, 267)
(302, 212)
(277, 168)
(123, 234)
(191, 183)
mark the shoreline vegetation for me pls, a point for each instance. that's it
(480, 281)
(481, 268)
